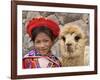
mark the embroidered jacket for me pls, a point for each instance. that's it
(35, 60)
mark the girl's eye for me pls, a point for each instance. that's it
(37, 41)
(41, 41)
(46, 40)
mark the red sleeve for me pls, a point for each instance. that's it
(28, 63)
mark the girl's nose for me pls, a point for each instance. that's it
(42, 45)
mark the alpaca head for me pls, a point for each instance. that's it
(73, 40)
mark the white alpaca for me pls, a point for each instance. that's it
(72, 45)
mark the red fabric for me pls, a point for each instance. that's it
(27, 62)
(37, 22)
(32, 62)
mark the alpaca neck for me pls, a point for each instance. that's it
(72, 61)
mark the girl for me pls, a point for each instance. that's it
(43, 32)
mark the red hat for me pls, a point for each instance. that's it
(38, 22)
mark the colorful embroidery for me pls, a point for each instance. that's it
(31, 60)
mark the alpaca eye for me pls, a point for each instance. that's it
(77, 38)
(63, 38)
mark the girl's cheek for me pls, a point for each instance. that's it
(37, 46)
(47, 44)
(43, 44)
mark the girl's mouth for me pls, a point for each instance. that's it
(43, 50)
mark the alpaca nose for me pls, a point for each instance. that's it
(68, 44)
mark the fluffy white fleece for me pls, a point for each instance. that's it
(72, 45)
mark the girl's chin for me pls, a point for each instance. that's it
(43, 53)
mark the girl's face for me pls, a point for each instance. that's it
(43, 43)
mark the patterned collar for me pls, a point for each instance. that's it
(34, 52)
